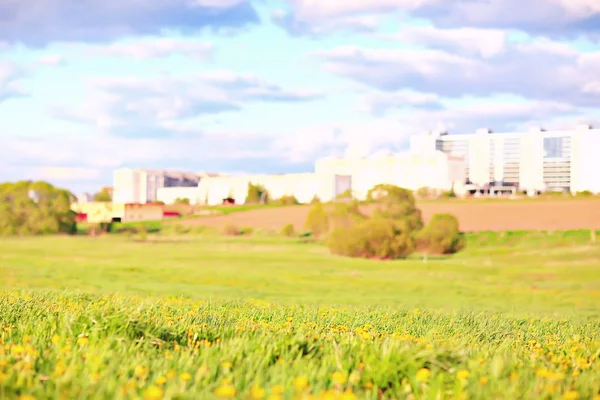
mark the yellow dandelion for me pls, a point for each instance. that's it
(139, 371)
(3, 377)
(26, 397)
(339, 378)
(153, 393)
(423, 375)
(185, 377)
(226, 365)
(514, 376)
(462, 375)
(161, 380)
(483, 380)
(55, 339)
(225, 391)
(571, 395)
(274, 397)
(171, 374)
(301, 383)
(348, 395)
(257, 393)
(277, 389)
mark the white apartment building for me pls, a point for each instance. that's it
(534, 161)
(140, 186)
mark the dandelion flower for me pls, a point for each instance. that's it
(153, 393)
(339, 378)
(257, 393)
(462, 375)
(226, 391)
(161, 380)
(571, 395)
(300, 383)
(422, 375)
(483, 380)
(185, 377)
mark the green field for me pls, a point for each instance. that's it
(517, 315)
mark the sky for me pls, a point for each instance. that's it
(241, 86)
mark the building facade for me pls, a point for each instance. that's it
(141, 186)
(303, 186)
(533, 161)
(413, 170)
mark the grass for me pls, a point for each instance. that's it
(517, 315)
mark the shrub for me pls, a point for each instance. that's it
(288, 230)
(257, 194)
(440, 236)
(317, 221)
(287, 200)
(231, 230)
(377, 237)
(315, 200)
(345, 215)
(345, 195)
(247, 230)
(424, 193)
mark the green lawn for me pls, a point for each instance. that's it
(520, 272)
(516, 316)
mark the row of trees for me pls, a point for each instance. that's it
(258, 194)
(394, 229)
(34, 208)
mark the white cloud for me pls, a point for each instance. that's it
(155, 48)
(483, 42)
(548, 17)
(138, 107)
(49, 173)
(10, 75)
(542, 70)
(52, 59)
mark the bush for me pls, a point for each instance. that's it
(317, 221)
(440, 236)
(287, 200)
(345, 215)
(376, 238)
(315, 200)
(231, 230)
(288, 230)
(346, 195)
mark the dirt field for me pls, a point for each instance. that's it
(472, 215)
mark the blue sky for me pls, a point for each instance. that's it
(88, 86)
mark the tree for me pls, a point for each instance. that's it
(103, 196)
(184, 200)
(35, 208)
(440, 236)
(257, 194)
(345, 215)
(396, 203)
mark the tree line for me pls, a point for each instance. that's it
(35, 208)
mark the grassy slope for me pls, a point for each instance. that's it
(128, 346)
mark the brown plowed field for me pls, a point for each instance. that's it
(473, 215)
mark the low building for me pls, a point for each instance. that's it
(142, 212)
(96, 212)
(303, 186)
(103, 212)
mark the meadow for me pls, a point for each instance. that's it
(199, 315)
